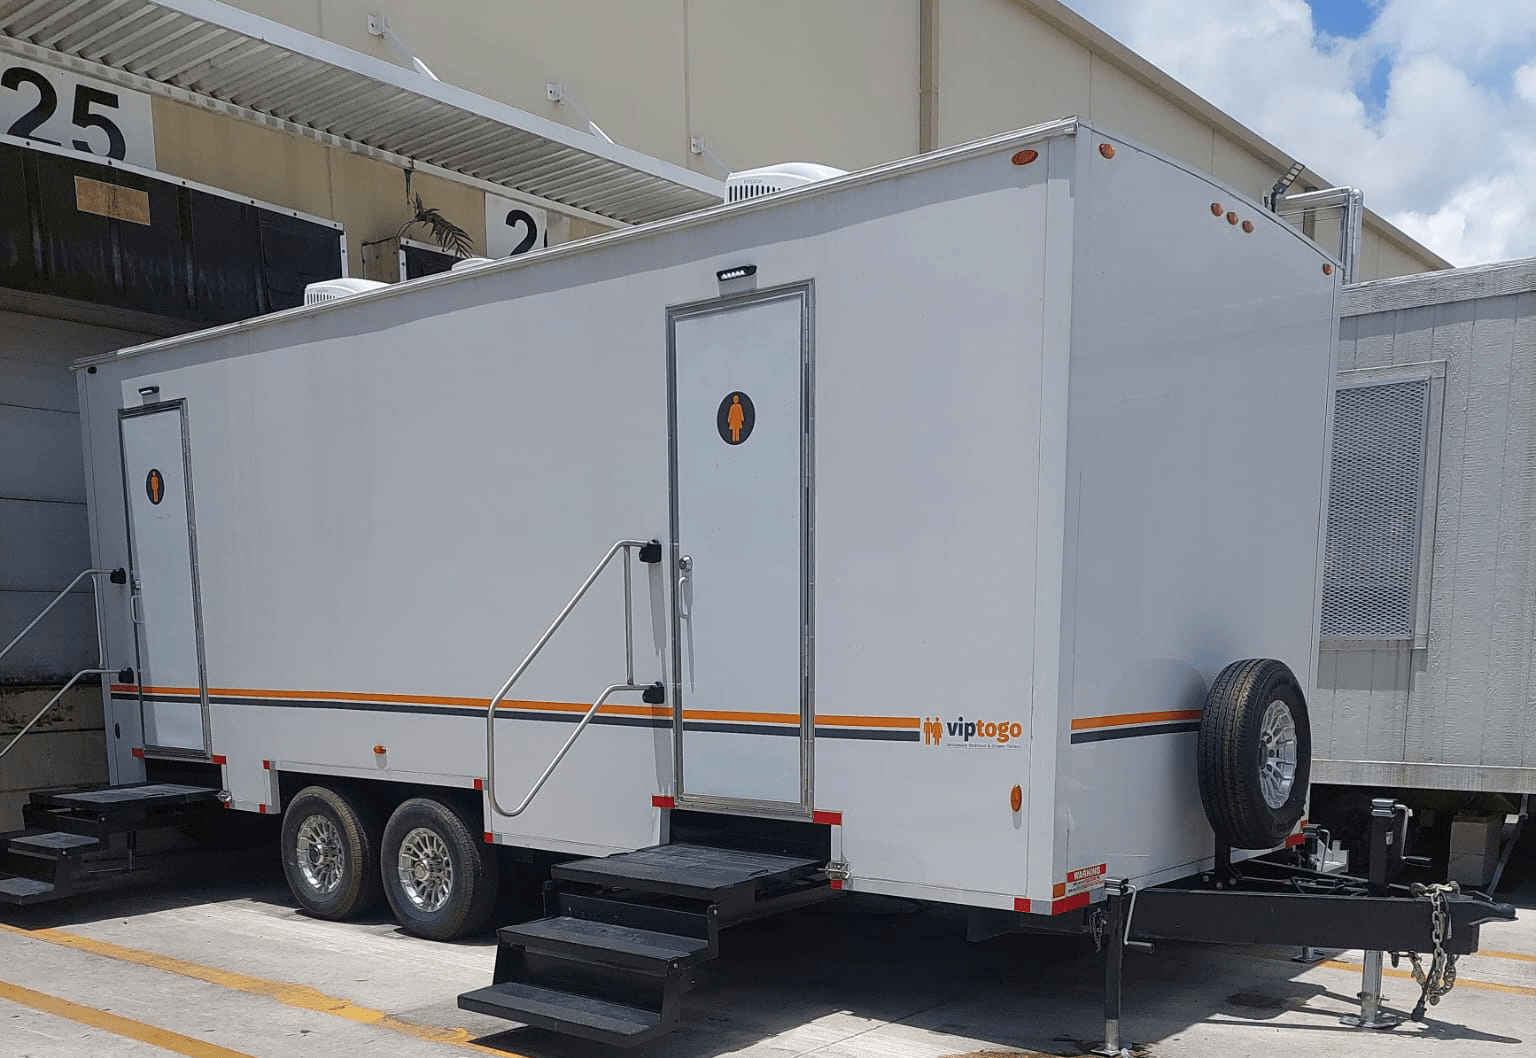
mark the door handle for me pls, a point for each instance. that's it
(136, 608)
(685, 564)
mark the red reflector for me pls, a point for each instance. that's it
(1071, 903)
(479, 784)
(837, 883)
(661, 801)
(261, 809)
(490, 839)
(1294, 840)
(138, 752)
(267, 764)
(1020, 904)
(833, 818)
(219, 758)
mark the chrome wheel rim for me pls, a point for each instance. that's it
(425, 870)
(322, 859)
(1277, 746)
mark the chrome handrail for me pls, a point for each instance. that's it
(119, 576)
(628, 685)
(100, 640)
(60, 694)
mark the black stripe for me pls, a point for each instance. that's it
(517, 714)
(867, 733)
(1134, 732)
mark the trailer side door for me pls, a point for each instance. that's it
(741, 515)
(173, 688)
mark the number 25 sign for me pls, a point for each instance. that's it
(50, 106)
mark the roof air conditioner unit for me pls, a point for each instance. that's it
(751, 183)
(331, 289)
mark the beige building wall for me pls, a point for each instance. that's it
(841, 83)
(849, 84)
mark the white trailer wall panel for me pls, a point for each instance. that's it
(1459, 713)
(1038, 476)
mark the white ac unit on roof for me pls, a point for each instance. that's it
(331, 289)
(751, 183)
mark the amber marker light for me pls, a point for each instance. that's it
(1025, 157)
(1327, 269)
(1107, 150)
(1248, 227)
(379, 750)
(1016, 798)
(1215, 209)
(1231, 218)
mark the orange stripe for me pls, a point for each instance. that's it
(911, 722)
(1088, 723)
(823, 720)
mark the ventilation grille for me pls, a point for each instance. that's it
(1370, 571)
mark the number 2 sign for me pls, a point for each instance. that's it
(511, 227)
(50, 106)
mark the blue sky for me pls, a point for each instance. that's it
(1428, 106)
(1342, 18)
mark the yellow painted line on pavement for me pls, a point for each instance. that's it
(116, 1024)
(1518, 956)
(1461, 982)
(287, 993)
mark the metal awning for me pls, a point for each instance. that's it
(207, 53)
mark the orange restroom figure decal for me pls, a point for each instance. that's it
(155, 486)
(735, 418)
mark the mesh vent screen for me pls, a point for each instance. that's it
(1371, 565)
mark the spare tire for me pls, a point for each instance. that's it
(1255, 754)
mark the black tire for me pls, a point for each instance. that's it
(428, 841)
(331, 853)
(1232, 754)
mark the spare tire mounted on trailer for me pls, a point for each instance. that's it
(1255, 754)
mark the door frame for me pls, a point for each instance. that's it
(179, 405)
(803, 291)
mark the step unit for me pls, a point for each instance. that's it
(623, 933)
(46, 860)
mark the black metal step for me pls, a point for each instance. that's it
(697, 872)
(15, 890)
(608, 944)
(51, 845)
(143, 796)
(575, 1015)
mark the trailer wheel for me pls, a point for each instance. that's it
(441, 880)
(330, 853)
(1255, 754)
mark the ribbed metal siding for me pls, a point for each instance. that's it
(1377, 486)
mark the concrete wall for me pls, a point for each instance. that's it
(1461, 713)
(66, 748)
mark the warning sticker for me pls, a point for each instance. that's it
(1086, 879)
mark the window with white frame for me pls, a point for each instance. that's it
(1375, 573)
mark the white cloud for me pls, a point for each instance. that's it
(1445, 155)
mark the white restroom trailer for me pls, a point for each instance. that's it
(969, 473)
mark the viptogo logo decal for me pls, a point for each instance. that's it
(978, 734)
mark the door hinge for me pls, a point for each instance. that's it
(650, 553)
(655, 694)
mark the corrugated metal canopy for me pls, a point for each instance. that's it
(200, 50)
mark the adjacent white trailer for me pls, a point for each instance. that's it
(938, 508)
(1429, 611)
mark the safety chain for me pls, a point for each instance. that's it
(1441, 977)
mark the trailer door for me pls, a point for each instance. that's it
(173, 690)
(741, 436)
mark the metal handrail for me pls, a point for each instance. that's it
(61, 692)
(628, 685)
(119, 576)
(100, 642)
